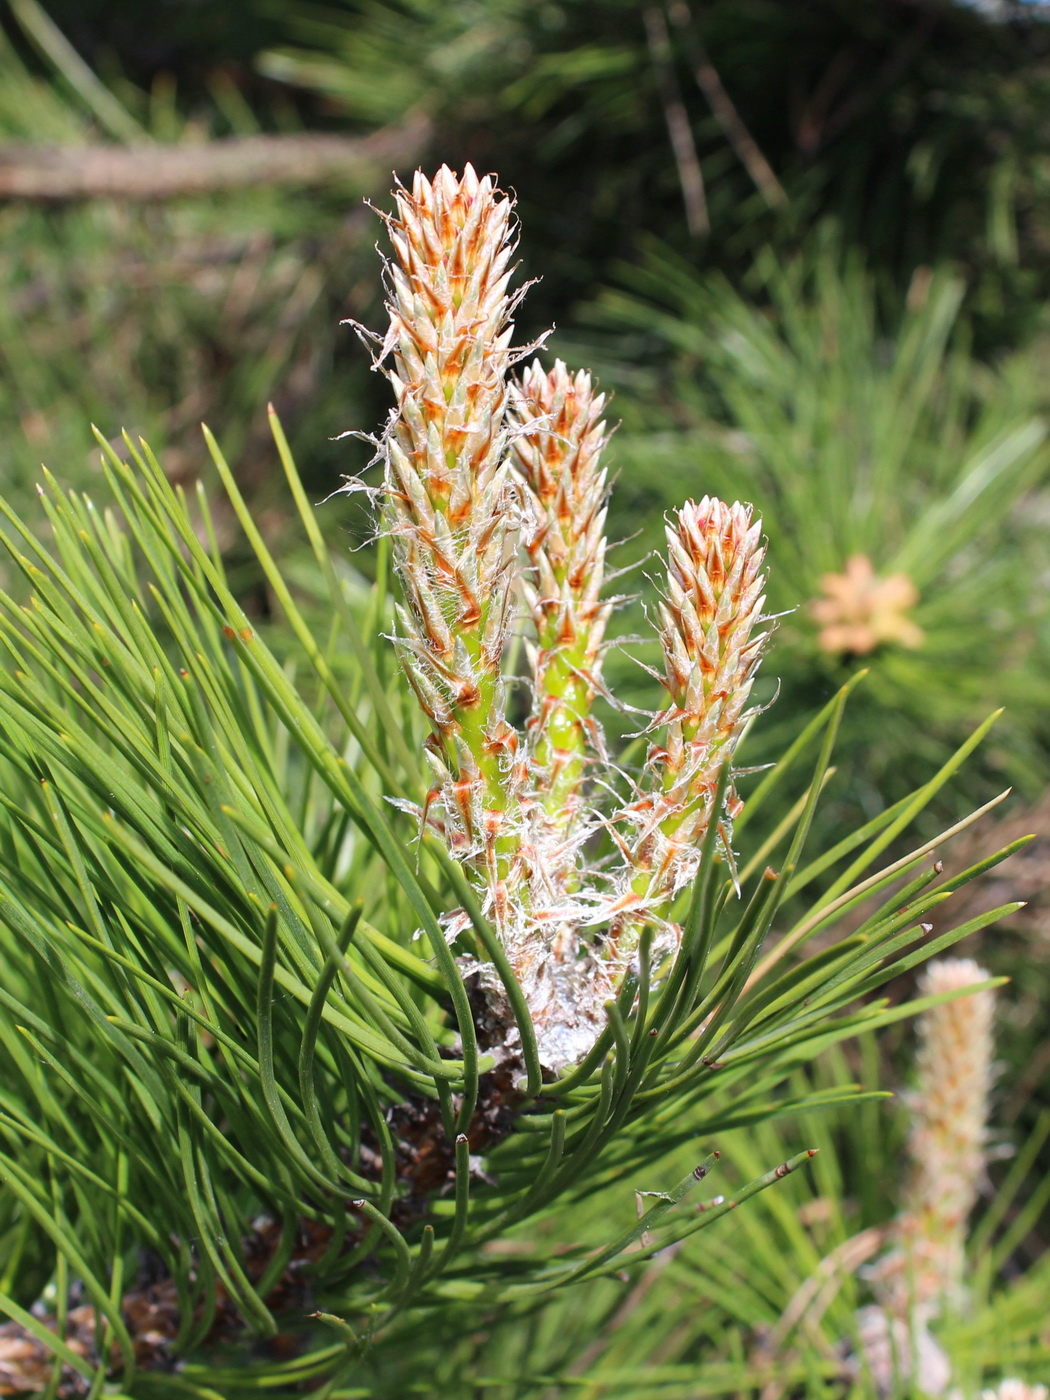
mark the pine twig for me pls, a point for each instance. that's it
(149, 173)
(690, 175)
(725, 112)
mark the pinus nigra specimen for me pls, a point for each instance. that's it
(279, 1060)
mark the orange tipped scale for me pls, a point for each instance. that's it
(558, 458)
(451, 501)
(712, 644)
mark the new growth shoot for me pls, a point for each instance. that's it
(495, 497)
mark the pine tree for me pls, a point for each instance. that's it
(318, 978)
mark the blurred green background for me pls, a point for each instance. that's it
(806, 245)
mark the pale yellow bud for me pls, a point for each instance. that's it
(946, 1145)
